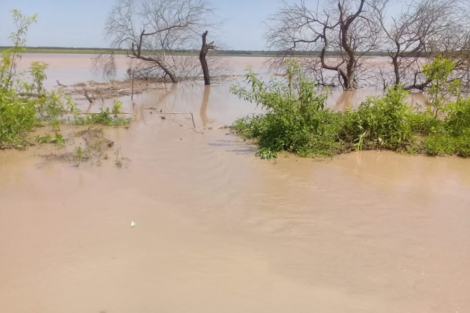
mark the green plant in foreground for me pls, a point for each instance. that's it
(266, 154)
(47, 138)
(79, 154)
(58, 139)
(24, 102)
(440, 90)
(295, 119)
(117, 108)
(105, 117)
(382, 123)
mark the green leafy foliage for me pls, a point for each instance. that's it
(117, 108)
(105, 117)
(58, 139)
(266, 154)
(17, 117)
(441, 90)
(380, 123)
(24, 102)
(295, 118)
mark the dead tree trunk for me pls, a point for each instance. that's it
(202, 57)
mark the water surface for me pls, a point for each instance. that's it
(218, 230)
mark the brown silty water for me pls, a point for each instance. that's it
(218, 230)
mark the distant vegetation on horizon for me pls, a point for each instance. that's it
(260, 53)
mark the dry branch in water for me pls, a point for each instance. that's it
(195, 128)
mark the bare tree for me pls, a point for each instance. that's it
(423, 29)
(152, 32)
(338, 36)
(202, 57)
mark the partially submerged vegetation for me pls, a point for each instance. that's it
(87, 145)
(26, 104)
(296, 120)
(92, 91)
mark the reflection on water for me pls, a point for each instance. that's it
(219, 230)
(203, 111)
(71, 69)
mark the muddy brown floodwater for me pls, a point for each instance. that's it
(218, 230)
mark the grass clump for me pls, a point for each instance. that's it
(58, 139)
(105, 117)
(295, 118)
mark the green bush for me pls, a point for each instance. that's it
(423, 123)
(458, 119)
(24, 103)
(17, 117)
(380, 123)
(295, 119)
(106, 117)
(439, 145)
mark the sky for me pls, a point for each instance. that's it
(79, 23)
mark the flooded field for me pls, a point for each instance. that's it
(219, 230)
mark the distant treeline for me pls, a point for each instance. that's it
(261, 53)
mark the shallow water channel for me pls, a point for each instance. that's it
(219, 230)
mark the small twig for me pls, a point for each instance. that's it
(132, 94)
(177, 123)
(87, 96)
(194, 124)
(180, 113)
(192, 117)
(165, 112)
(59, 84)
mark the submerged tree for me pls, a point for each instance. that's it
(422, 30)
(153, 31)
(202, 57)
(344, 29)
(333, 38)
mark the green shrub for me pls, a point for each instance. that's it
(17, 117)
(24, 103)
(458, 119)
(441, 90)
(105, 117)
(295, 119)
(425, 124)
(380, 123)
(439, 145)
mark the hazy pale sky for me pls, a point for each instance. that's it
(79, 23)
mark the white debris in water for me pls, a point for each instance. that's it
(133, 224)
